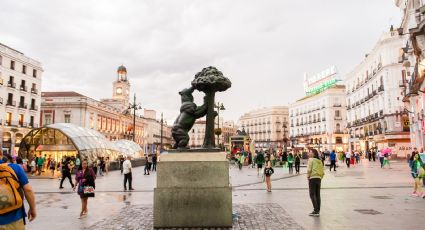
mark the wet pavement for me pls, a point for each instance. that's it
(361, 197)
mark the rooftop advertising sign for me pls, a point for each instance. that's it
(321, 81)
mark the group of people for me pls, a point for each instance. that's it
(315, 172)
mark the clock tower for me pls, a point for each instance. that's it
(121, 87)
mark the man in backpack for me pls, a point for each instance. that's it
(11, 217)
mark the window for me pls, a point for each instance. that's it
(24, 69)
(67, 118)
(337, 113)
(12, 65)
(47, 119)
(32, 121)
(1, 60)
(338, 127)
(21, 119)
(338, 140)
(34, 73)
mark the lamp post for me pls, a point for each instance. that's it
(162, 125)
(134, 106)
(285, 138)
(219, 106)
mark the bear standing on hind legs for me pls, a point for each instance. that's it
(189, 112)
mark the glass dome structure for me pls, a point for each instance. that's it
(129, 148)
(66, 140)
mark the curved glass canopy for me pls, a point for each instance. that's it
(130, 148)
(66, 140)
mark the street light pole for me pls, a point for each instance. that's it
(219, 106)
(162, 124)
(135, 107)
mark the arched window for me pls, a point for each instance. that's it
(338, 127)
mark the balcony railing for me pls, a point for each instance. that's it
(402, 84)
(34, 107)
(22, 105)
(338, 118)
(11, 103)
(11, 84)
(23, 88)
(337, 105)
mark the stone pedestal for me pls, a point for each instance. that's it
(193, 190)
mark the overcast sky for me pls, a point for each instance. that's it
(263, 46)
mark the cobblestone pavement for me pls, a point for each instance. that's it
(267, 216)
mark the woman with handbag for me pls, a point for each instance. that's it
(85, 182)
(268, 171)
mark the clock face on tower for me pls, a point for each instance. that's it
(119, 91)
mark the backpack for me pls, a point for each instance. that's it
(10, 196)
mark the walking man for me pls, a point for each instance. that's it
(66, 172)
(154, 161)
(12, 210)
(127, 174)
(347, 158)
(315, 174)
(332, 157)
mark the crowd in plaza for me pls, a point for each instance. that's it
(316, 164)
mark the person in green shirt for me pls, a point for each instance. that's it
(315, 174)
(290, 163)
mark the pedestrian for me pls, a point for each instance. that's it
(99, 166)
(332, 158)
(323, 157)
(66, 172)
(418, 173)
(85, 182)
(107, 164)
(78, 162)
(121, 160)
(268, 171)
(150, 162)
(154, 161)
(13, 191)
(387, 160)
(315, 174)
(290, 163)
(33, 167)
(146, 169)
(347, 159)
(369, 155)
(127, 174)
(52, 167)
(259, 161)
(373, 155)
(40, 162)
(284, 159)
(297, 162)
(381, 158)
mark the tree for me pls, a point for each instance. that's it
(210, 80)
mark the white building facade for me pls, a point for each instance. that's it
(20, 83)
(319, 120)
(267, 127)
(413, 60)
(376, 117)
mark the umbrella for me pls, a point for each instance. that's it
(387, 151)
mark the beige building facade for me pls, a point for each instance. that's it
(267, 127)
(20, 97)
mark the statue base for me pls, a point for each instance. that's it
(193, 190)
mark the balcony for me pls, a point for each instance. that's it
(381, 88)
(11, 84)
(23, 88)
(11, 103)
(338, 132)
(34, 107)
(22, 105)
(338, 118)
(337, 105)
(402, 84)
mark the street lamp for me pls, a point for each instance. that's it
(285, 138)
(219, 106)
(135, 106)
(162, 124)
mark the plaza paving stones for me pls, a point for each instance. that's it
(267, 216)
